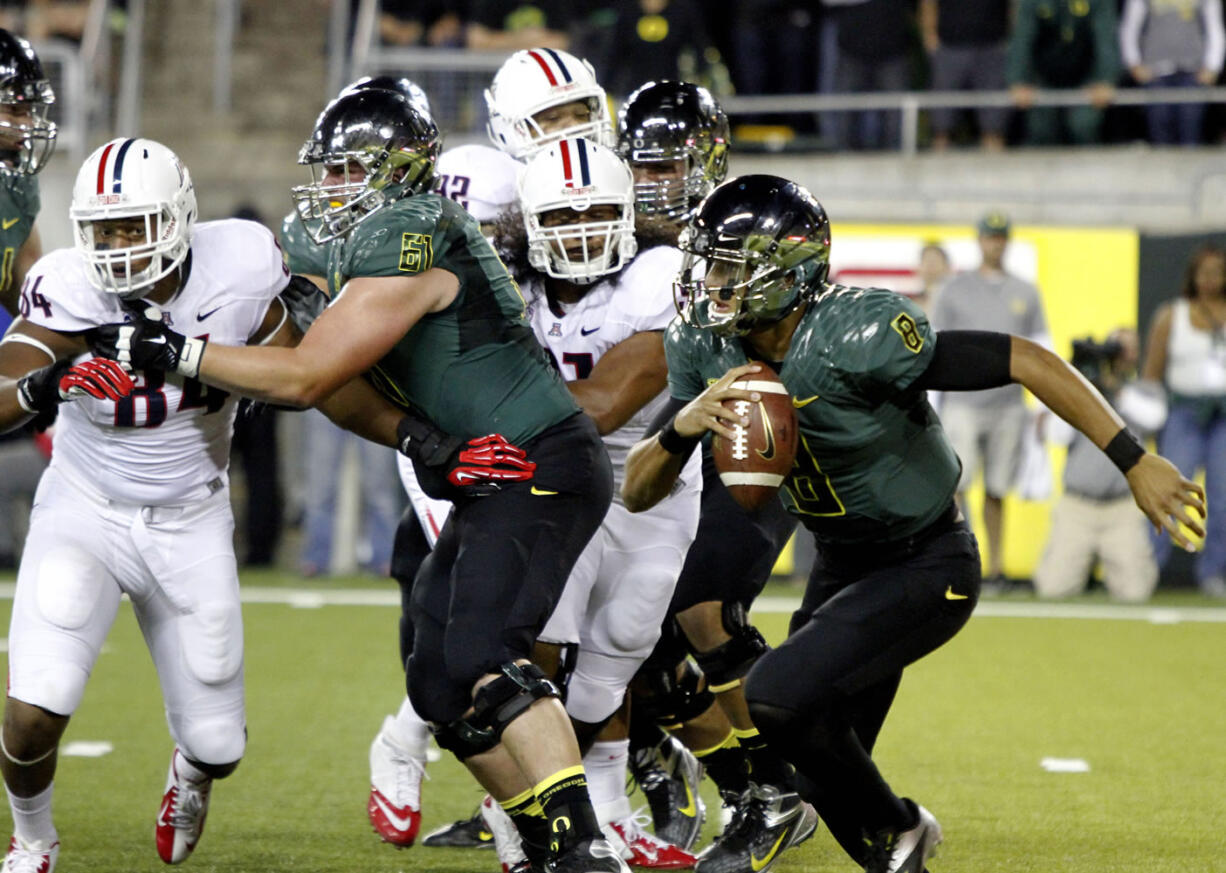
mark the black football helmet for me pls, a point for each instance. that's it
(382, 133)
(27, 136)
(399, 84)
(674, 121)
(757, 247)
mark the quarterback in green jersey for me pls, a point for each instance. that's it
(422, 306)
(874, 480)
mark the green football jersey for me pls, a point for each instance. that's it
(873, 463)
(303, 255)
(19, 205)
(475, 367)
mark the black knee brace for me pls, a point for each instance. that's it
(726, 665)
(495, 705)
(673, 701)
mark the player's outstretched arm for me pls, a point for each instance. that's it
(27, 354)
(625, 378)
(656, 460)
(367, 319)
(1160, 490)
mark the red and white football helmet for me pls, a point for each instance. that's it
(133, 178)
(577, 174)
(533, 80)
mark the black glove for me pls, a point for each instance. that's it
(43, 389)
(146, 343)
(449, 468)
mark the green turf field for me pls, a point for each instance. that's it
(1142, 702)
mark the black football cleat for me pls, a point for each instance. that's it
(468, 833)
(590, 856)
(669, 776)
(766, 823)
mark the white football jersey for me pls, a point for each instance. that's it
(169, 441)
(480, 178)
(636, 299)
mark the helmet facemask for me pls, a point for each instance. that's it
(117, 270)
(596, 247)
(734, 286)
(26, 145)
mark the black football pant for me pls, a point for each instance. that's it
(821, 697)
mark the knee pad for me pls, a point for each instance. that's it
(674, 700)
(497, 704)
(212, 742)
(726, 665)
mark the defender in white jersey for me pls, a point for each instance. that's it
(136, 499)
(599, 298)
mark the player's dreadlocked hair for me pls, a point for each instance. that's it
(510, 239)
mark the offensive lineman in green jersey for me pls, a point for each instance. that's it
(27, 139)
(425, 309)
(873, 481)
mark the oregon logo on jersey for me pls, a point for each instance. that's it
(416, 253)
(907, 329)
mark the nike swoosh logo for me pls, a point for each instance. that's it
(690, 810)
(798, 403)
(950, 594)
(768, 452)
(541, 492)
(399, 821)
(586, 332)
(201, 316)
(757, 863)
(9, 222)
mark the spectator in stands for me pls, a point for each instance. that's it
(653, 40)
(1173, 45)
(56, 19)
(874, 38)
(985, 427)
(965, 41)
(428, 22)
(1096, 519)
(933, 273)
(1187, 352)
(772, 47)
(1063, 44)
(498, 25)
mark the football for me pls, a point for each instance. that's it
(754, 464)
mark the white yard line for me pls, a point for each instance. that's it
(315, 598)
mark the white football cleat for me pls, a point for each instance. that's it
(905, 851)
(394, 806)
(641, 849)
(36, 857)
(507, 843)
(180, 821)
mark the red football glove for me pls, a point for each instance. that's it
(490, 459)
(43, 389)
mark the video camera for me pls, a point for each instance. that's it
(1095, 359)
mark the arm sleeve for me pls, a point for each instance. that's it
(1130, 32)
(684, 381)
(1106, 44)
(967, 360)
(1019, 61)
(665, 413)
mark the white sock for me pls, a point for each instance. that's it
(605, 766)
(32, 817)
(410, 730)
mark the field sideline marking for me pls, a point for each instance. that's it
(315, 598)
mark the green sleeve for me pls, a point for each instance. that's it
(302, 255)
(889, 348)
(1106, 45)
(685, 380)
(1018, 67)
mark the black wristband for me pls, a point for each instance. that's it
(673, 442)
(1124, 450)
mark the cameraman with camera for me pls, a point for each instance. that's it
(1096, 518)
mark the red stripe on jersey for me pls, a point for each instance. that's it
(553, 80)
(106, 153)
(565, 147)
